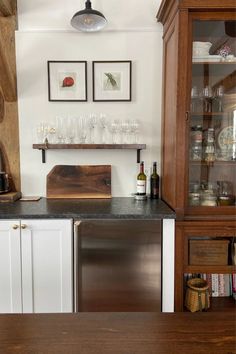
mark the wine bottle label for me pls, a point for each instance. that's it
(141, 187)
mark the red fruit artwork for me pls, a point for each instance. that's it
(68, 81)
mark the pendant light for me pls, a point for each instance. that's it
(88, 20)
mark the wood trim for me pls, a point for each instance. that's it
(168, 5)
(206, 5)
(226, 225)
(164, 10)
(7, 7)
(7, 58)
(9, 131)
(2, 106)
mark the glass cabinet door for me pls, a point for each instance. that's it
(212, 128)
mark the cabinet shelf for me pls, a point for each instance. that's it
(46, 146)
(211, 269)
(216, 162)
(214, 62)
(207, 115)
(222, 303)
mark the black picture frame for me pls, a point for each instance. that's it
(67, 81)
(112, 81)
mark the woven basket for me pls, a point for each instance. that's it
(197, 295)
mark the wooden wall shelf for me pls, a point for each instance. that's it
(44, 147)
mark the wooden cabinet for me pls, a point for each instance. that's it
(210, 260)
(36, 266)
(199, 123)
(199, 105)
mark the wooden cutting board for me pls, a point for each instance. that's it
(87, 181)
(10, 196)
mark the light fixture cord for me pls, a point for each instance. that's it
(88, 4)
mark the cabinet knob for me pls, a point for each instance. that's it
(23, 226)
(15, 227)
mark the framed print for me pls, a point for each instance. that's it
(112, 80)
(67, 81)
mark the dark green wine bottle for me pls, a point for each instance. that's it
(141, 181)
(154, 183)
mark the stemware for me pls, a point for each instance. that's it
(219, 94)
(60, 130)
(207, 96)
(114, 128)
(43, 129)
(134, 130)
(103, 125)
(70, 130)
(51, 133)
(194, 99)
(82, 129)
(92, 121)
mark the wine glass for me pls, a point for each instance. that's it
(61, 131)
(103, 124)
(70, 129)
(51, 133)
(219, 94)
(40, 133)
(194, 99)
(43, 130)
(207, 98)
(125, 128)
(82, 129)
(114, 127)
(92, 123)
(134, 130)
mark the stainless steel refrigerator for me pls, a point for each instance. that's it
(117, 265)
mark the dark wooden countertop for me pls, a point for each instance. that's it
(118, 333)
(114, 208)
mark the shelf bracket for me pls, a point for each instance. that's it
(43, 156)
(43, 149)
(138, 155)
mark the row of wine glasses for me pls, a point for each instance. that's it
(90, 129)
(212, 100)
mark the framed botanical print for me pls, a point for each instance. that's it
(67, 81)
(112, 80)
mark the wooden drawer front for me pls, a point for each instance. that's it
(208, 252)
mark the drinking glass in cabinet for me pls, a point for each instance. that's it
(218, 99)
(207, 96)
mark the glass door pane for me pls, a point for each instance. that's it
(212, 130)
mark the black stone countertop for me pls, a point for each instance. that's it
(114, 208)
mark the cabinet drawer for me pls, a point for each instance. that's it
(208, 252)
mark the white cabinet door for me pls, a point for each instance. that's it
(10, 267)
(47, 284)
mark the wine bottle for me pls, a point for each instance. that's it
(141, 181)
(154, 183)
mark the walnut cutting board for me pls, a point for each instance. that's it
(87, 181)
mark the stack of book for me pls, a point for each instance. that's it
(219, 284)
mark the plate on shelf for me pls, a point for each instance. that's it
(226, 137)
(207, 58)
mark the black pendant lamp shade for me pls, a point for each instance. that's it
(88, 20)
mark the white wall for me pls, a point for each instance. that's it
(56, 14)
(35, 46)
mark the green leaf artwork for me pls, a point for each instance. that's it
(111, 80)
